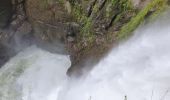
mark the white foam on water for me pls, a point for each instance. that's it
(34, 74)
(138, 69)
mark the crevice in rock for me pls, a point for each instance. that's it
(111, 21)
(90, 8)
(101, 4)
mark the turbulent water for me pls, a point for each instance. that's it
(138, 69)
(33, 74)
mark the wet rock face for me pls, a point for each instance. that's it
(5, 12)
(13, 28)
(12, 12)
(19, 15)
(49, 19)
(5, 54)
(83, 25)
(34, 22)
(72, 31)
(17, 24)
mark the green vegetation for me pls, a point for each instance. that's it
(125, 5)
(160, 8)
(120, 6)
(135, 21)
(86, 23)
(115, 20)
(113, 6)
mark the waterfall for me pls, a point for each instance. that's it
(33, 75)
(137, 69)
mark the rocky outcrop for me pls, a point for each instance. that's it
(13, 29)
(49, 19)
(17, 21)
(104, 22)
(19, 15)
(87, 28)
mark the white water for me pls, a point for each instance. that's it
(33, 74)
(138, 69)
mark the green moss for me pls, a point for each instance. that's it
(125, 5)
(86, 22)
(108, 10)
(123, 10)
(61, 1)
(95, 8)
(110, 6)
(162, 6)
(135, 21)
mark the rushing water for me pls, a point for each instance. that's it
(138, 69)
(33, 74)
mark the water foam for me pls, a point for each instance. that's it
(33, 74)
(138, 69)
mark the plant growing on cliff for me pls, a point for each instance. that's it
(135, 21)
(86, 22)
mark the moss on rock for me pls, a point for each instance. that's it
(114, 21)
(157, 5)
(102, 22)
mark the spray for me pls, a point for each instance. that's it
(137, 69)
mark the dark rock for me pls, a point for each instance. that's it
(70, 39)
(72, 30)
(5, 12)
(5, 54)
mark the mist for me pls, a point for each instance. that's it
(137, 69)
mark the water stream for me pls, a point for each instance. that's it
(138, 69)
